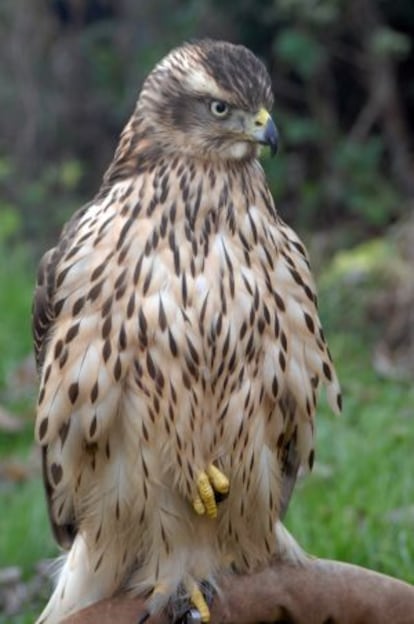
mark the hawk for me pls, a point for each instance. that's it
(179, 349)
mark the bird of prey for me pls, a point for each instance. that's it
(179, 349)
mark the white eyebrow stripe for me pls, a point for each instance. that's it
(197, 80)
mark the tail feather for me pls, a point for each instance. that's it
(81, 582)
(288, 548)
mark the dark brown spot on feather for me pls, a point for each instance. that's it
(78, 305)
(186, 380)
(98, 563)
(95, 291)
(152, 371)
(296, 276)
(137, 270)
(147, 280)
(107, 306)
(92, 427)
(60, 510)
(162, 319)
(276, 327)
(163, 225)
(184, 289)
(279, 301)
(72, 332)
(120, 279)
(61, 276)
(47, 373)
(57, 308)
(97, 272)
(64, 358)
(106, 350)
(63, 432)
(117, 369)
(122, 338)
(243, 330)
(193, 351)
(275, 387)
(106, 327)
(177, 263)
(172, 343)
(309, 323)
(56, 472)
(131, 306)
(142, 321)
(119, 293)
(125, 229)
(327, 371)
(309, 293)
(123, 253)
(73, 392)
(58, 348)
(98, 534)
(94, 392)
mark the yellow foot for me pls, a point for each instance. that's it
(198, 600)
(208, 482)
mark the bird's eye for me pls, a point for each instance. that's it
(219, 108)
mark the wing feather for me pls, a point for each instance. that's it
(43, 318)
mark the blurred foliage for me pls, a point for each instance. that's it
(72, 69)
(16, 288)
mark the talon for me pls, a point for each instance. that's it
(206, 493)
(219, 481)
(198, 506)
(200, 604)
(212, 487)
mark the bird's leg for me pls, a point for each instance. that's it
(210, 483)
(200, 604)
(198, 600)
(190, 605)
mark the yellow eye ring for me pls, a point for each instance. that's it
(219, 108)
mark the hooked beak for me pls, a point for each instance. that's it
(264, 130)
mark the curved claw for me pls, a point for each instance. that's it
(209, 482)
(218, 480)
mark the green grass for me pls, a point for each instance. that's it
(24, 534)
(347, 508)
(357, 505)
(16, 288)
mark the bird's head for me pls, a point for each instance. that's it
(208, 98)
